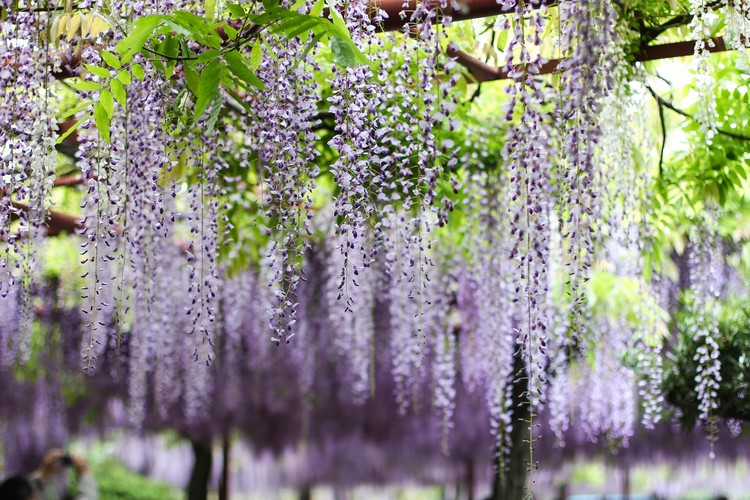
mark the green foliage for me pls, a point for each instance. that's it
(117, 482)
(102, 119)
(118, 92)
(219, 53)
(614, 296)
(733, 395)
(208, 88)
(218, 61)
(238, 66)
(73, 127)
(141, 31)
(342, 52)
(137, 71)
(700, 173)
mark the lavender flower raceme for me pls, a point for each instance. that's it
(705, 283)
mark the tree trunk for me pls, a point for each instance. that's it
(470, 479)
(340, 493)
(305, 492)
(226, 453)
(198, 486)
(509, 482)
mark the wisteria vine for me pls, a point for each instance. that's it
(169, 173)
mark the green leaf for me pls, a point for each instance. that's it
(236, 10)
(208, 87)
(169, 47)
(213, 115)
(317, 9)
(740, 169)
(273, 15)
(80, 107)
(237, 65)
(294, 28)
(98, 71)
(342, 52)
(124, 77)
(106, 101)
(192, 78)
(198, 27)
(85, 86)
(230, 32)
(339, 26)
(141, 32)
(102, 121)
(294, 23)
(192, 22)
(208, 55)
(734, 178)
(256, 55)
(138, 71)
(111, 59)
(270, 5)
(210, 6)
(72, 129)
(118, 92)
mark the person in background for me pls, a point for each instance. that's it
(40, 485)
(17, 488)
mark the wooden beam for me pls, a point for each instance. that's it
(463, 10)
(483, 72)
(679, 49)
(57, 222)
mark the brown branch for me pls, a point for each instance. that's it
(663, 102)
(649, 34)
(70, 180)
(679, 49)
(663, 123)
(467, 9)
(57, 222)
(61, 223)
(69, 66)
(483, 72)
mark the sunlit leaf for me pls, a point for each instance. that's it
(237, 65)
(101, 118)
(118, 92)
(140, 33)
(208, 88)
(111, 59)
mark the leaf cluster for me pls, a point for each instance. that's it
(116, 481)
(211, 56)
(703, 172)
(679, 384)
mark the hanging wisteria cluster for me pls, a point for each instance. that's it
(27, 158)
(706, 282)
(375, 284)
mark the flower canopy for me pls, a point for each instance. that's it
(279, 210)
